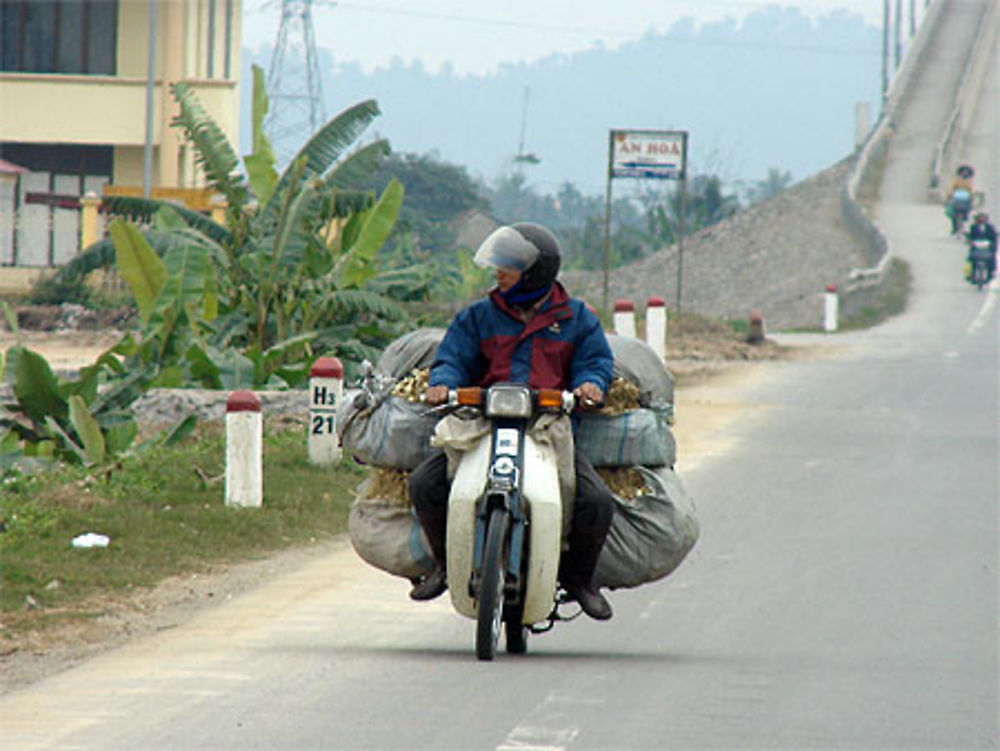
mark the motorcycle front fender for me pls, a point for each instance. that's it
(541, 492)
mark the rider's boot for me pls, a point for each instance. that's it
(435, 582)
(576, 574)
(428, 490)
(432, 585)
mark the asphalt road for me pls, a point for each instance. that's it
(844, 592)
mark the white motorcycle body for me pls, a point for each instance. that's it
(981, 248)
(541, 493)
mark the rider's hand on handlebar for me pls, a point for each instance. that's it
(435, 395)
(588, 395)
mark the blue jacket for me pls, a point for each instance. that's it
(562, 347)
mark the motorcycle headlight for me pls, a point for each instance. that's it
(508, 401)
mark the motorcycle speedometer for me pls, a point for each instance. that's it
(508, 401)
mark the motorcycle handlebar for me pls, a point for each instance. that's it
(553, 399)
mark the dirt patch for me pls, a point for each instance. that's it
(64, 350)
(72, 636)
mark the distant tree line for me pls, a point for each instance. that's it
(438, 194)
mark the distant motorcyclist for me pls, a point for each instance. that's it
(982, 229)
(959, 197)
(528, 330)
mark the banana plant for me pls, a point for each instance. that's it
(69, 419)
(291, 273)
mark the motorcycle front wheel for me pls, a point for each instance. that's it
(491, 589)
(980, 275)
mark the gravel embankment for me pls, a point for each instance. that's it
(159, 408)
(777, 257)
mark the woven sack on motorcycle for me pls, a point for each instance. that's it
(650, 535)
(387, 535)
(410, 352)
(636, 361)
(393, 433)
(636, 437)
(379, 428)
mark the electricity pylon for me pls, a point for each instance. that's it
(294, 91)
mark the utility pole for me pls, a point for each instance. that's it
(885, 50)
(147, 151)
(294, 89)
(899, 35)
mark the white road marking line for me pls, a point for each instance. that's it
(984, 312)
(540, 730)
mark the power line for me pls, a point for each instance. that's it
(605, 32)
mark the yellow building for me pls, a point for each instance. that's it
(73, 105)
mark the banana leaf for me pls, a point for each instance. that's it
(139, 266)
(322, 151)
(146, 210)
(87, 429)
(36, 388)
(355, 267)
(119, 436)
(215, 154)
(355, 168)
(65, 447)
(260, 165)
(188, 268)
(355, 302)
(290, 242)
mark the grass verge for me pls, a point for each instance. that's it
(164, 512)
(891, 301)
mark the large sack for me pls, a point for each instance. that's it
(636, 437)
(387, 535)
(410, 352)
(392, 433)
(379, 428)
(637, 362)
(649, 535)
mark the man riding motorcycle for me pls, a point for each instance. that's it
(960, 193)
(527, 330)
(981, 229)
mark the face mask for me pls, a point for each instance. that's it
(518, 296)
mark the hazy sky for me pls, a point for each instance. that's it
(476, 36)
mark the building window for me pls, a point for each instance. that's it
(58, 36)
(65, 159)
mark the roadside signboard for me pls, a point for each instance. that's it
(657, 154)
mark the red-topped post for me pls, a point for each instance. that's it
(326, 389)
(624, 318)
(831, 308)
(244, 450)
(656, 325)
(758, 330)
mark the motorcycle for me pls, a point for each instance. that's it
(505, 518)
(959, 206)
(980, 255)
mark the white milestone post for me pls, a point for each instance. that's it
(244, 450)
(326, 389)
(656, 326)
(831, 306)
(624, 319)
